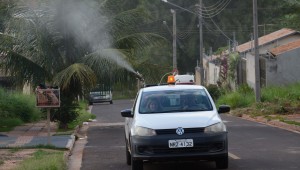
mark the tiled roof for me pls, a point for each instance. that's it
(285, 48)
(266, 39)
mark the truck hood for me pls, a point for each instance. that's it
(175, 120)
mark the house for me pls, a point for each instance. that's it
(282, 64)
(279, 56)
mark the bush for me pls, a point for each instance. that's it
(214, 91)
(236, 100)
(68, 111)
(9, 123)
(18, 105)
(84, 116)
(24, 107)
(245, 89)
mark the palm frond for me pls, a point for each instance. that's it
(126, 22)
(75, 77)
(23, 69)
(6, 42)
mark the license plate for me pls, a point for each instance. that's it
(181, 143)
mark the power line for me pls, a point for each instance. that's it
(215, 12)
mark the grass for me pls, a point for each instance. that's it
(276, 94)
(64, 132)
(291, 122)
(7, 124)
(278, 101)
(243, 97)
(44, 160)
(14, 150)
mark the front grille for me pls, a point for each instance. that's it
(203, 148)
(173, 131)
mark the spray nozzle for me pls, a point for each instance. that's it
(139, 76)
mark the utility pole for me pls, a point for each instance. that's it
(174, 40)
(229, 46)
(200, 37)
(234, 43)
(256, 52)
(201, 44)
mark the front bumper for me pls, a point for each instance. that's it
(156, 148)
(100, 100)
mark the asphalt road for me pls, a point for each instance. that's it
(252, 146)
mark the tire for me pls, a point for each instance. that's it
(111, 102)
(128, 155)
(90, 103)
(222, 163)
(136, 164)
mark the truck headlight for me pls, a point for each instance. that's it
(218, 127)
(142, 131)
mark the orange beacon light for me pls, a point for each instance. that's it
(171, 79)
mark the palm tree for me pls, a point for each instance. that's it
(68, 44)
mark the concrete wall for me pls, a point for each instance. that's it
(284, 69)
(213, 73)
(263, 50)
(197, 76)
(250, 70)
(27, 89)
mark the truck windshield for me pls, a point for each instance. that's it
(174, 101)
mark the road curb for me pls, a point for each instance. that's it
(76, 154)
(71, 142)
(274, 123)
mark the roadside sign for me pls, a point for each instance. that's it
(47, 97)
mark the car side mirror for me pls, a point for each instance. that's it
(224, 109)
(126, 113)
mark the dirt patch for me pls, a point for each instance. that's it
(10, 158)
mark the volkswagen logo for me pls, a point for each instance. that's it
(180, 131)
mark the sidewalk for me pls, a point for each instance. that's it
(34, 134)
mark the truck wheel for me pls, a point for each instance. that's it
(136, 164)
(111, 102)
(222, 163)
(128, 155)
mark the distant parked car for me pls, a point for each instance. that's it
(100, 97)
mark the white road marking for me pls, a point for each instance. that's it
(233, 156)
(100, 147)
(226, 121)
(107, 124)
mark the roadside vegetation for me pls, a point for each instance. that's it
(276, 102)
(44, 159)
(16, 109)
(83, 116)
